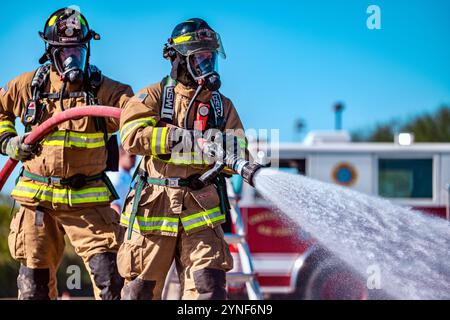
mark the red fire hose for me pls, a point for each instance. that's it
(47, 126)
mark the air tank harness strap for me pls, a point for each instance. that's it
(138, 186)
(221, 186)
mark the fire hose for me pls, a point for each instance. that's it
(243, 167)
(47, 126)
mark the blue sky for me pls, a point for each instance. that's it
(285, 59)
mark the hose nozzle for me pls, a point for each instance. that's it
(243, 167)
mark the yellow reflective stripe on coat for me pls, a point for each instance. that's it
(7, 126)
(203, 218)
(70, 139)
(61, 195)
(166, 224)
(128, 127)
(185, 158)
(242, 145)
(242, 142)
(159, 138)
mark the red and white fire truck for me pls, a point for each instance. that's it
(289, 266)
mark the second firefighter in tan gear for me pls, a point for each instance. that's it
(62, 189)
(169, 219)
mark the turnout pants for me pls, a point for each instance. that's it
(36, 240)
(201, 258)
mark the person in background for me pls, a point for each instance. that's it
(121, 179)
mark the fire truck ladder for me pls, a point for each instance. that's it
(247, 274)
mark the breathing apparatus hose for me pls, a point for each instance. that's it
(47, 126)
(191, 103)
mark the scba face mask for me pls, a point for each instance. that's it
(70, 62)
(199, 49)
(203, 66)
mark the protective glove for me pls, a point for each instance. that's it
(183, 139)
(16, 149)
(229, 143)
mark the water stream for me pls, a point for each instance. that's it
(410, 249)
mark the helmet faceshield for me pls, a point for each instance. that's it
(201, 40)
(70, 61)
(202, 64)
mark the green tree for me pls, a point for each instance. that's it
(431, 127)
(427, 127)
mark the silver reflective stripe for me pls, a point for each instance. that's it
(50, 193)
(61, 195)
(130, 126)
(159, 133)
(89, 142)
(89, 195)
(154, 223)
(158, 145)
(47, 193)
(200, 221)
(55, 138)
(75, 139)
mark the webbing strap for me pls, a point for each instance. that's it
(168, 100)
(217, 105)
(57, 95)
(168, 182)
(168, 103)
(57, 180)
(137, 198)
(110, 186)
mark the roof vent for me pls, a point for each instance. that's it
(318, 137)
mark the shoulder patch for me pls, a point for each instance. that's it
(3, 90)
(140, 98)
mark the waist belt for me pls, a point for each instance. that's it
(191, 182)
(167, 182)
(77, 181)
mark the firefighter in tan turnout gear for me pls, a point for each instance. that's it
(170, 214)
(63, 189)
